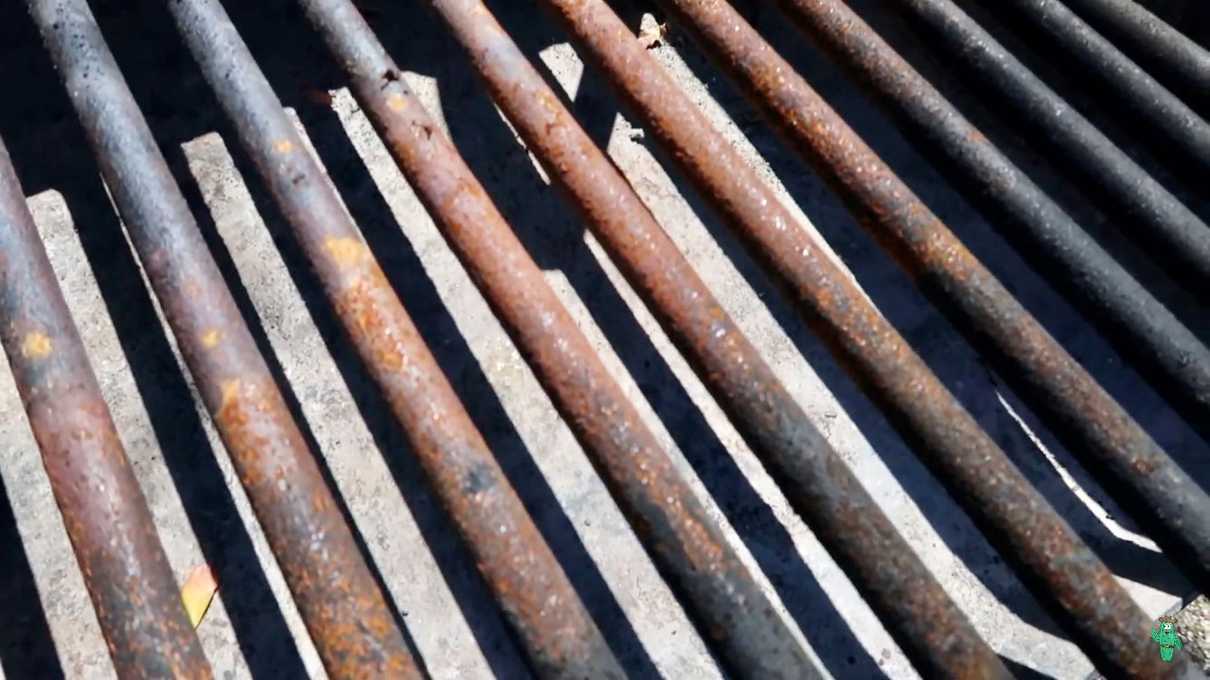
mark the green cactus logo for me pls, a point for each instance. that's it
(1165, 633)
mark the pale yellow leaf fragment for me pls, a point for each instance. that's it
(197, 592)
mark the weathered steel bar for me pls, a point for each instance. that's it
(1087, 419)
(1120, 79)
(1158, 222)
(1171, 56)
(137, 601)
(1136, 323)
(910, 602)
(732, 614)
(1050, 557)
(340, 602)
(560, 637)
(1165, 499)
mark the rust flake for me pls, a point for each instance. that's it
(345, 251)
(211, 337)
(36, 345)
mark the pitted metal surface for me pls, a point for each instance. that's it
(618, 455)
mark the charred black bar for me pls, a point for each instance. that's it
(1092, 424)
(1158, 221)
(1171, 56)
(1168, 118)
(1050, 556)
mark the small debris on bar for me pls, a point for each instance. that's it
(197, 593)
(652, 35)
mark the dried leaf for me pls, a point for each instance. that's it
(197, 592)
(652, 35)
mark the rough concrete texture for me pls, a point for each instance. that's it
(203, 516)
(1193, 625)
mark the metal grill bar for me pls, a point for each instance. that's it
(1160, 224)
(1122, 79)
(728, 607)
(107, 520)
(341, 604)
(345, 612)
(1061, 569)
(1174, 58)
(1138, 325)
(1091, 422)
(912, 604)
(561, 638)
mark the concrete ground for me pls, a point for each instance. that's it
(203, 516)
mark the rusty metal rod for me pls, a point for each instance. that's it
(560, 637)
(1119, 78)
(340, 602)
(137, 601)
(1061, 570)
(1128, 315)
(1158, 222)
(909, 601)
(729, 608)
(1164, 498)
(1173, 57)
(733, 615)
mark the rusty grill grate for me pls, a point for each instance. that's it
(338, 594)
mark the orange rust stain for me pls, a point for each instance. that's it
(379, 327)
(230, 390)
(211, 337)
(284, 146)
(1144, 466)
(36, 345)
(701, 546)
(396, 102)
(345, 251)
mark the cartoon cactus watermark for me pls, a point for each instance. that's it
(1166, 634)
